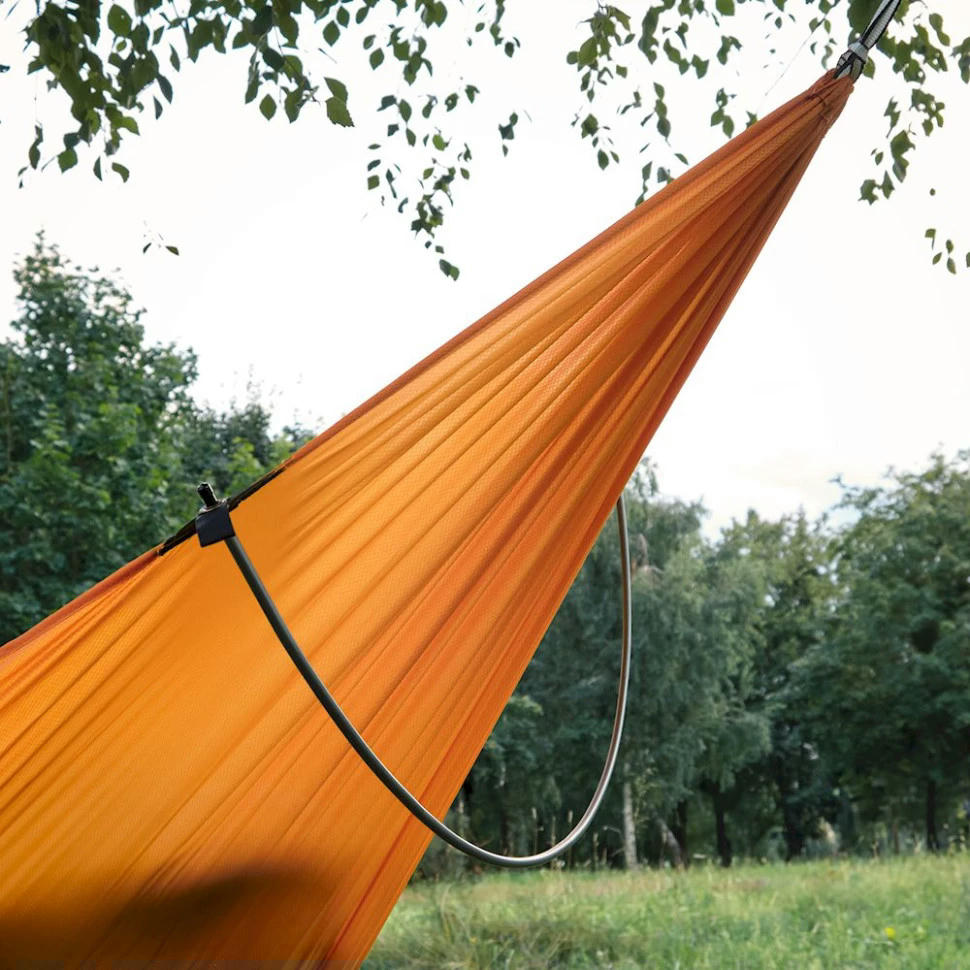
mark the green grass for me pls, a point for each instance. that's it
(911, 913)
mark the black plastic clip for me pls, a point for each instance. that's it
(212, 524)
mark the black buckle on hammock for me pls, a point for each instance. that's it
(213, 523)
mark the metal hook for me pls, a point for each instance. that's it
(853, 61)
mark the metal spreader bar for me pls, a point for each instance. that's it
(214, 525)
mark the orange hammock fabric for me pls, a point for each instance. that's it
(169, 788)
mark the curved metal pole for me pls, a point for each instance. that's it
(220, 528)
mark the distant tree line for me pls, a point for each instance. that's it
(101, 441)
(798, 686)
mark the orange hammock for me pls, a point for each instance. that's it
(170, 789)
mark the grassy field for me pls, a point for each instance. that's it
(911, 913)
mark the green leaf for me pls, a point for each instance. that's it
(588, 52)
(373, 181)
(119, 21)
(292, 104)
(602, 158)
(174, 250)
(252, 88)
(376, 58)
(267, 106)
(273, 58)
(288, 28)
(331, 33)
(121, 170)
(337, 88)
(67, 159)
(262, 21)
(337, 112)
(33, 153)
(725, 7)
(448, 269)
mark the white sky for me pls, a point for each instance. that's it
(844, 353)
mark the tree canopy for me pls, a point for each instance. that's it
(102, 442)
(887, 691)
(797, 687)
(116, 61)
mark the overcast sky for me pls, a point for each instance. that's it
(844, 353)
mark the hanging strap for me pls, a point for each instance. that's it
(854, 59)
(213, 524)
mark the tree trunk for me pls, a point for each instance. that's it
(668, 841)
(505, 829)
(679, 829)
(461, 815)
(629, 828)
(794, 833)
(724, 849)
(932, 838)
